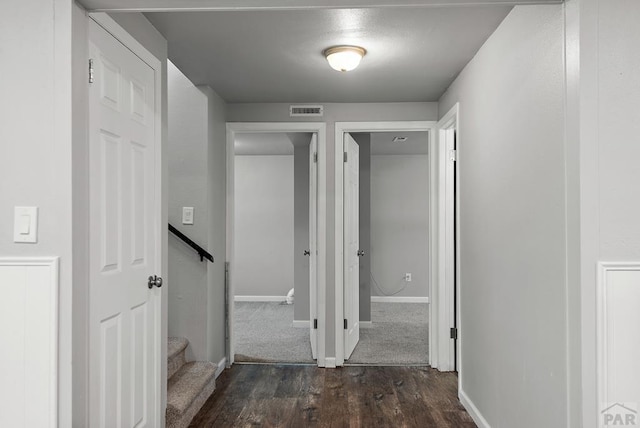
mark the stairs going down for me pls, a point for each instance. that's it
(189, 384)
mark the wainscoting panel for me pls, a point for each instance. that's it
(29, 335)
(618, 340)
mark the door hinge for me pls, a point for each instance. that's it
(345, 323)
(315, 324)
(90, 71)
(453, 155)
(345, 156)
(454, 333)
(315, 157)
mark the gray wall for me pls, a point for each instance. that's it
(301, 226)
(400, 224)
(197, 178)
(263, 198)
(217, 207)
(36, 147)
(364, 224)
(188, 182)
(80, 175)
(512, 221)
(279, 112)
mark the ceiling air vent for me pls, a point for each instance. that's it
(305, 110)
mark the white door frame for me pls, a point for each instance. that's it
(392, 126)
(160, 189)
(449, 263)
(235, 5)
(264, 127)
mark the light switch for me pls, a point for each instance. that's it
(187, 215)
(25, 224)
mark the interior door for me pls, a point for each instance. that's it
(351, 245)
(313, 243)
(124, 315)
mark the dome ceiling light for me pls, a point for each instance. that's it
(344, 58)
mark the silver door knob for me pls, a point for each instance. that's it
(154, 281)
(360, 253)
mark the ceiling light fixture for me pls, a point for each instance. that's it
(344, 58)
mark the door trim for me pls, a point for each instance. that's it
(227, 5)
(160, 189)
(392, 126)
(449, 265)
(264, 127)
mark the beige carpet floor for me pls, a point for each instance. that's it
(399, 335)
(264, 332)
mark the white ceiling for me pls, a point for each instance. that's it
(382, 143)
(276, 55)
(268, 143)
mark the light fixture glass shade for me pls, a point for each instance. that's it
(344, 58)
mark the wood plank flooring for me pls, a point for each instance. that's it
(307, 396)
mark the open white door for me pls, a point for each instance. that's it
(351, 245)
(313, 244)
(124, 318)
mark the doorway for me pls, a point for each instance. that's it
(439, 283)
(275, 241)
(393, 234)
(273, 260)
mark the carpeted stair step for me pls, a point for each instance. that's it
(187, 392)
(176, 347)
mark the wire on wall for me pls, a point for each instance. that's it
(384, 292)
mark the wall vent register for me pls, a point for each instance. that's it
(306, 110)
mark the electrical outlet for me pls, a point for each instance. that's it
(407, 277)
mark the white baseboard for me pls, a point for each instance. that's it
(301, 323)
(260, 298)
(221, 366)
(398, 299)
(330, 363)
(472, 410)
(366, 324)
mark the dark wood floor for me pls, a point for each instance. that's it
(307, 396)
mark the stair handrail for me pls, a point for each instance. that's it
(204, 254)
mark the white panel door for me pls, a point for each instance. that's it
(351, 245)
(313, 242)
(124, 314)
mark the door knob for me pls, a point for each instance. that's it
(154, 281)
(360, 253)
(307, 252)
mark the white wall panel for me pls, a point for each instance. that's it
(29, 332)
(618, 344)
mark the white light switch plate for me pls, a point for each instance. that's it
(187, 215)
(25, 224)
